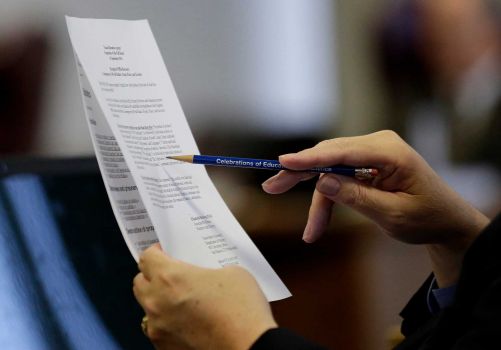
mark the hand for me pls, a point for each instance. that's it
(190, 307)
(407, 199)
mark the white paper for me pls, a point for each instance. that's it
(136, 121)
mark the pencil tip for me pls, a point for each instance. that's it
(182, 158)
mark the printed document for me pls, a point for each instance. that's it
(136, 121)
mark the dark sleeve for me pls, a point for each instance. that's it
(283, 339)
(416, 312)
(485, 325)
(481, 292)
(473, 320)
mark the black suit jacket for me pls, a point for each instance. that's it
(473, 321)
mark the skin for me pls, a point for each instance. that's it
(407, 199)
(189, 307)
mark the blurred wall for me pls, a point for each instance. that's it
(271, 66)
(362, 105)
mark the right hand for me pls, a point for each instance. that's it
(407, 199)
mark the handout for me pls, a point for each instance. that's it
(136, 121)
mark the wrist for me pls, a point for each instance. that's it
(447, 256)
(446, 264)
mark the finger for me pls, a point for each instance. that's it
(368, 150)
(139, 287)
(285, 180)
(358, 195)
(153, 260)
(141, 259)
(318, 217)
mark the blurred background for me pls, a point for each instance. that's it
(255, 78)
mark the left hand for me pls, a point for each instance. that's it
(190, 307)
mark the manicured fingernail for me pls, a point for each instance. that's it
(328, 186)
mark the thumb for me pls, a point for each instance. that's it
(360, 196)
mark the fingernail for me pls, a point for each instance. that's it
(328, 186)
(269, 181)
(280, 158)
(307, 234)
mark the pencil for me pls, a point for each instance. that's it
(266, 164)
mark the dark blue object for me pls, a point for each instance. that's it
(266, 164)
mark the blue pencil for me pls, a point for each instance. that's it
(266, 164)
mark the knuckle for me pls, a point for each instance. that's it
(176, 275)
(170, 276)
(395, 222)
(166, 278)
(340, 142)
(180, 298)
(151, 306)
(323, 143)
(312, 154)
(135, 291)
(389, 134)
(356, 196)
(394, 140)
(140, 263)
(136, 279)
(176, 289)
(136, 284)
(154, 333)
